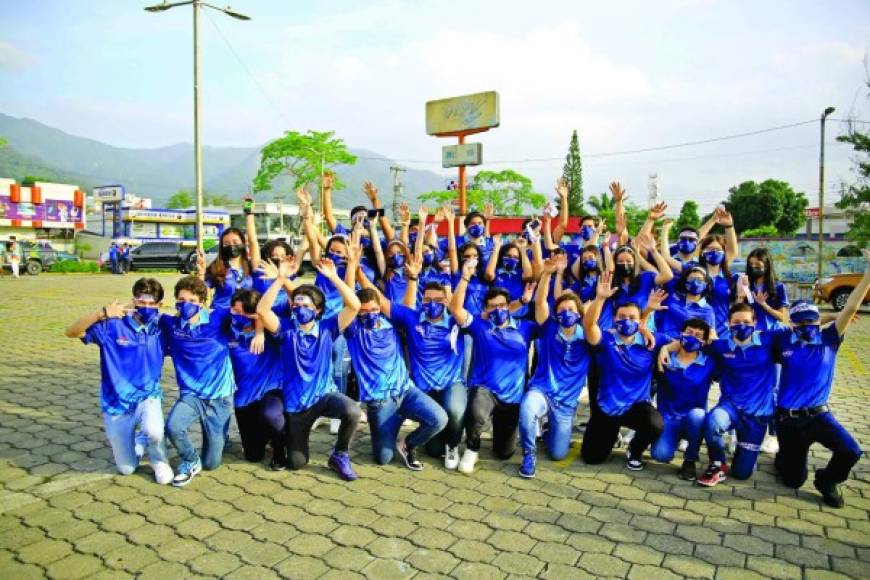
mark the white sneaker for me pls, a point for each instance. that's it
(140, 443)
(318, 422)
(363, 418)
(163, 473)
(466, 464)
(770, 445)
(683, 445)
(334, 424)
(451, 457)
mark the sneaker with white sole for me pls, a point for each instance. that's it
(466, 464)
(186, 473)
(683, 445)
(633, 463)
(334, 425)
(163, 473)
(527, 468)
(451, 457)
(408, 456)
(770, 445)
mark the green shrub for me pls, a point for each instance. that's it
(68, 266)
(760, 232)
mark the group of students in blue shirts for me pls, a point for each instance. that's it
(470, 331)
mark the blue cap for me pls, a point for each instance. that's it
(803, 311)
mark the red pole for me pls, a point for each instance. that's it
(462, 208)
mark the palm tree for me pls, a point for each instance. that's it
(602, 204)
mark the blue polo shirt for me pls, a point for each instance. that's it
(585, 288)
(500, 357)
(670, 321)
(720, 300)
(474, 293)
(200, 354)
(307, 362)
(395, 286)
(262, 285)
(685, 387)
(434, 348)
(223, 293)
(131, 360)
(807, 368)
(747, 374)
(255, 374)
(640, 296)
(562, 363)
(626, 371)
(485, 246)
(377, 360)
(776, 300)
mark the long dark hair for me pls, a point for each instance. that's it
(217, 270)
(763, 255)
(465, 246)
(684, 277)
(502, 252)
(703, 261)
(581, 269)
(390, 272)
(634, 278)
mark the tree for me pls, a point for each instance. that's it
(688, 216)
(298, 156)
(572, 172)
(180, 200)
(31, 179)
(855, 197)
(509, 192)
(184, 199)
(601, 204)
(769, 203)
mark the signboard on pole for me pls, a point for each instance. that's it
(458, 155)
(108, 193)
(467, 113)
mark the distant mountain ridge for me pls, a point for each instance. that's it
(36, 149)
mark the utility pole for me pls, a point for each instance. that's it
(398, 190)
(825, 114)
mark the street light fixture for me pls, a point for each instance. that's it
(197, 146)
(819, 260)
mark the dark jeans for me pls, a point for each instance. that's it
(750, 434)
(453, 399)
(603, 429)
(796, 434)
(260, 423)
(483, 406)
(387, 415)
(333, 405)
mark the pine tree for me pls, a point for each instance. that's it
(572, 172)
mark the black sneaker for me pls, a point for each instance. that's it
(408, 456)
(688, 471)
(277, 465)
(830, 492)
(633, 463)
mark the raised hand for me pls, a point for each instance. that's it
(603, 290)
(328, 181)
(303, 196)
(667, 224)
(469, 268)
(562, 187)
(617, 192)
(268, 269)
(258, 344)
(488, 210)
(449, 214)
(551, 265)
(423, 213)
(404, 213)
(200, 262)
(354, 247)
(521, 242)
(561, 263)
(760, 297)
(657, 211)
(529, 291)
(326, 267)
(413, 267)
(723, 217)
(294, 265)
(371, 191)
(496, 241)
(439, 215)
(115, 310)
(284, 269)
(656, 300)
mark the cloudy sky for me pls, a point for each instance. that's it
(626, 75)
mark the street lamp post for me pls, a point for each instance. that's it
(824, 116)
(197, 146)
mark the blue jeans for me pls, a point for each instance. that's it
(214, 418)
(796, 434)
(453, 399)
(689, 427)
(467, 350)
(560, 420)
(121, 433)
(340, 363)
(750, 434)
(387, 415)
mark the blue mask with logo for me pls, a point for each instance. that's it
(695, 287)
(687, 246)
(369, 319)
(147, 314)
(240, 321)
(742, 331)
(397, 261)
(586, 232)
(567, 318)
(187, 310)
(428, 259)
(303, 314)
(433, 310)
(590, 264)
(499, 316)
(626, 327)
(714, 257)
(691, 343)
(807, 333)
(509, 264)
(476, 230)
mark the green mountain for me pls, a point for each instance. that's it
(35, 149)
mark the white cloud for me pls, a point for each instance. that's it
(12, 57)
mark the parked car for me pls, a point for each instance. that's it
(37, 258)
(836, 289)
(162, 255)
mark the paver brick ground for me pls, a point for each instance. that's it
(66, 513)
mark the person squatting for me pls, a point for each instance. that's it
(472, 330)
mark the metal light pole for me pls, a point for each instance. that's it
(197, 146)
(824, 116)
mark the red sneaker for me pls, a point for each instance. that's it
(713, 475)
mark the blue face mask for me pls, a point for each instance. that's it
(695, 287)
(586, 232)
(337, 259)
(147, 314)
(626, 327)
(590, 264)
(499, 316)
(687, 246)
(428, 259)
(691, 343)
(412, 239)
(742, 331)
(807, 333)
(187, 310)
(714, 257)
(397, 261)
(509, 264)
(476, 230)
(433, 310)
(240, 321)
(303, 314)
(567, 318)
(369, 319)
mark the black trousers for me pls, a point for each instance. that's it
(603, 429)
(483, 406)
(260, 423)
(796, 434)
(298, 430)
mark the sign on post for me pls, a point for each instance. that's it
(468, 113)
(108, 193)
(458, 155)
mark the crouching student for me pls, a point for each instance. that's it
(386, 388)
(258, 404)
(497, 377)
(683, 386)
(131, 361)
(802, 414)
(307, 337)
(197, 342)
(563, 362)
(626, 364)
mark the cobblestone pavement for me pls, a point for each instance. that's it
(65, 513)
